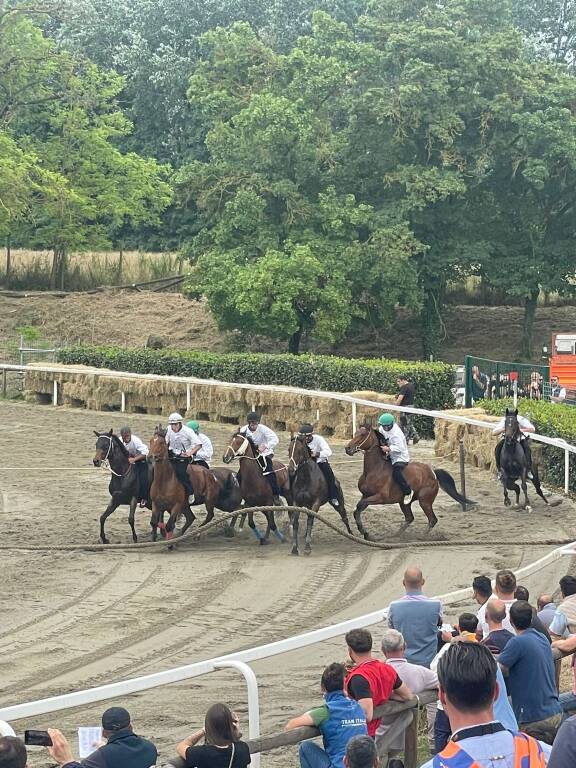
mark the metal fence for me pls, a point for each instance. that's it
(22, 351)
(494, 379)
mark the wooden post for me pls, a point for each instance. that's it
(8, 258)
(4, 382)
(411, 742)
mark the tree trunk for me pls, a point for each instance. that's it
(8, 259)
(431, 326)
(530, 305)
(120, 263)
(294, 342)
(58, 271)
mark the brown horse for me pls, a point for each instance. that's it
(166, 493)
(255, 489)
(378, 487)
(229, 497)
(309, 489)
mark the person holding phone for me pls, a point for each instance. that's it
(222, 747)
(12, 752)
(123, 748)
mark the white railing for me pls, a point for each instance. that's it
(189, 381)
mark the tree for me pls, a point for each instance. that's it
(550, 27)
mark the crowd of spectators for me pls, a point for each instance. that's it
(493, 673)
(493, 387)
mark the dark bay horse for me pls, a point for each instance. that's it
(255, 489)
(123, 486)
(378, 487)
(309, 489)
(229, 497)
(514, 463)
(167, 492)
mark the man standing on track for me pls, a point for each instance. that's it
(266, 440)
(406, 397)
(137, 452)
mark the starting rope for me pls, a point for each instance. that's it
(195, 534)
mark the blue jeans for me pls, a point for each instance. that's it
(313, 756)
(442, 730)
(568, 701)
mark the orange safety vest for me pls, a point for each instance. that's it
(527, 754)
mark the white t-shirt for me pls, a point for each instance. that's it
(135, 447)
(319, 446)
(506, 624)
(397, 444)
(523, 423)
(207, 450)
(181, 441)
(262, 436)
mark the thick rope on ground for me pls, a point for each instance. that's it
(196, 534)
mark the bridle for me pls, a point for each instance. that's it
(292, 461)
(510, 439)
(241, 452)
(106, 462)
(359, 446)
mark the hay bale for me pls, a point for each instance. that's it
(479, 443)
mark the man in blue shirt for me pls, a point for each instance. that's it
(528, 663)
(417, 617)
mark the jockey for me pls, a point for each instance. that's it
(204, 455)
(397, 449)
(182, 443)
(321, 451)
(137, 452)
(266, 440)
(526, 427)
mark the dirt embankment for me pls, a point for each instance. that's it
(128, 318)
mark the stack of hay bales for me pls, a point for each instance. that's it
(281, 410)
(479, 443)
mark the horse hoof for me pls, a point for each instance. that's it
(507, 502)
(135, 539)
(367, 537)
(229, 532)
(308, 551)
(528, 508)
(295, 551)
(263, 542)
(432, 523)
(104, 540)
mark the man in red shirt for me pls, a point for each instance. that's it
(373, 682)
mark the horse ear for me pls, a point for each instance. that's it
(110, 433)
(96, 433)
(507, 412)
(516, 412)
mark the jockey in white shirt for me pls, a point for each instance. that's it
(204, 455)
(266, 440)
(397, 449)
(137, 452)
(321, 451)
(526, 427)
(182, 443)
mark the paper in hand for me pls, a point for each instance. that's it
(89, 739)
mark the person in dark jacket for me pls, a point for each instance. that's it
(123, 748)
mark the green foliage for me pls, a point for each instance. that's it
(551, 419)
(432, 381)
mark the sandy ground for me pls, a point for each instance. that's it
(76, 620)
(492, 332)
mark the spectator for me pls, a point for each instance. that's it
(521, 593)
(222, 747)
(564, 621)
(557, 391)
(497, 637)
(416, 677)
(12, 752)
(479, 384)
(527, 660)
(563, 753)
(546, 609)
(417, 617)
(123, 748)
(339, 719)
(468, 687)
(535, 386)
(505, 586)
(361, 753)
(467, 627)
(568, 698)
(371, 681)
(406, 397)
(481, 590)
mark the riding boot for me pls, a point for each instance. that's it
(328, 473)
(180, 467)
(399, 479)
(141, 481)
(526, 445)
(270, 475)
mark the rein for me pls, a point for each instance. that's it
(106, 462)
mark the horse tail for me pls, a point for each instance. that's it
(448, 485)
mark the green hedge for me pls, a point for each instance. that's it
(551, 419)
(432, 381)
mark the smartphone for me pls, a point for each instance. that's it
(37, 739)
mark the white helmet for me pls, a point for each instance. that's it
(175, 418)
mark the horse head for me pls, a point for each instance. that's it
(511, 426)
(238, 446)
(364, 439)
(298, 451)
(158, 445)
(104, 447)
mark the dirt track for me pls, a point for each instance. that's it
(74, 620)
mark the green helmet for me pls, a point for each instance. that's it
(386, 420)
(194, 425)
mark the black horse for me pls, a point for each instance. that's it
(123, 487)
(514, 464)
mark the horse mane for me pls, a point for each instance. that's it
(160, 431)
(119, 444)
(380, 437)
(250, 440)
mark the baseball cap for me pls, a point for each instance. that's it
(115, 718)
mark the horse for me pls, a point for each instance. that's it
(309, 489)
(378, 487)
(514, 464)
(123, 484)
(229, 497)
(255, 489)
(167, 492)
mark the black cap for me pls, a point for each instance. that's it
(253, 416)
(306, 429)
(115, 719)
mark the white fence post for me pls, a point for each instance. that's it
(353, 419)
(188, 397)
(566, 471)
(122, 402)
(253, 701)
(55, 393)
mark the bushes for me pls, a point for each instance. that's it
(553, 420)
(432, 381)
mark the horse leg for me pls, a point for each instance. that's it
(189, 518)
(295, 526)
(209, 513)
(131, 516)
(408, 514)
(504, 481)
(360, 507)
(154, 520)
(253, 527)
(274, 528)
(114, 504)
(426, 507)
(309, 526)
(525, 490)
(341, 508)
(537, 485)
